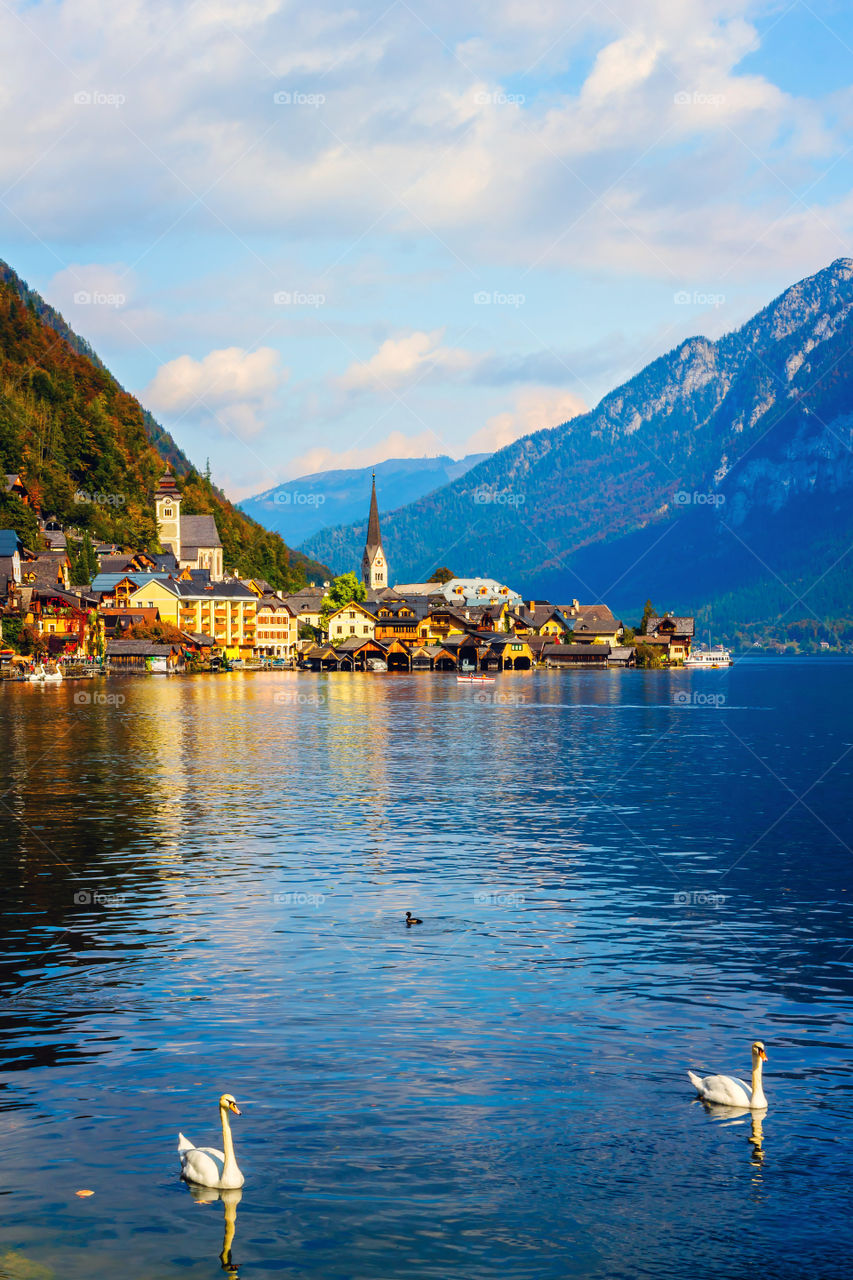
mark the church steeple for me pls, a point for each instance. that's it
(374, 568)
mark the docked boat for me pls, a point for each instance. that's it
(49, 674)
(377, 664)
(716, 656)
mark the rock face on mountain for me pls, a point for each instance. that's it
(720, 466)
(300, 508)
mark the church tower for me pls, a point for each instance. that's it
(374, 567)
(167, 503)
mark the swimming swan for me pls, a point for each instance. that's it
(731, 1092)
(205, 1165)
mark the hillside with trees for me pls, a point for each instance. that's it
(91, 456)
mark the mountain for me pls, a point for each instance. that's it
(70, 428)
(300, 508)
(718, 479)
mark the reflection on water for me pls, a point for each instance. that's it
(739, 1115)
(205, 890)
(230, 1199)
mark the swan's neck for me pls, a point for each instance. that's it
(228, 1142)
(758, 1098)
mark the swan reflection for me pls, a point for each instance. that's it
(230, 1199)
(736, 1115)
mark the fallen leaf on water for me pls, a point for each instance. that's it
(83, 1194)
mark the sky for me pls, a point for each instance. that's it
(317, 234)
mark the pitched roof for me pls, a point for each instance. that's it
(103, 582)
(576, 650)
(115, 564)
(9, 542)
(683, 626)
(233, 589)
(138, 649)
(198, 531)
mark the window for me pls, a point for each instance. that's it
(167, 511)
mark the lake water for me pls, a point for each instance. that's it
(620, 875)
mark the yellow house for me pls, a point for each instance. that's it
(350, 620)
(224, 610)
(441, 623)
(307, 604)
(277, 629)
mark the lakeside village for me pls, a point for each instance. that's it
(176, 610)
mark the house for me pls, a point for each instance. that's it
(440, 623)
(13, 484)
(350, 620)
(276, 627)
(592, 623)
(193, 540)
(118, 621)
(224, 610)
(575, 655)
(462, 591)
(671, 635)
(144, 655)
(539, 618)
(49, 570)
(307, 604)
(69, 624)
(401, 620)
(12, 553)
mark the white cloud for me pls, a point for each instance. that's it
(535, 408)
(395, 445)
(575, 178)
(232, 386)
(405, 360)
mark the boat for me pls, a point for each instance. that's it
(716, 656)
(475, 679)
(45, 675)
(377, 664)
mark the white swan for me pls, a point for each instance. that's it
(205, 1165)
(731, 1092)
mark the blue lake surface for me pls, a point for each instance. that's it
(620, 874)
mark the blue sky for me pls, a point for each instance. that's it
(312, 236)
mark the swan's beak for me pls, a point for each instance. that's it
(762, 1055)
(233, 1107)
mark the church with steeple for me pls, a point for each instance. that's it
(374, 566)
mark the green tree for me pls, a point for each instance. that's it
(648, 656)
(84, 564)
(648, 612)
(343, 590)
(14, 515)
(441, 575)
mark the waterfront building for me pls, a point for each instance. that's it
(226, 611)
(277, 628)
(350, 620)
(670, 635)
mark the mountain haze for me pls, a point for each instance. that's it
(300, 508)
(720, 475)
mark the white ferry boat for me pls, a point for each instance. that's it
(716, 656)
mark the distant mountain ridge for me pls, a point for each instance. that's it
(718, 470)
(299, 508)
